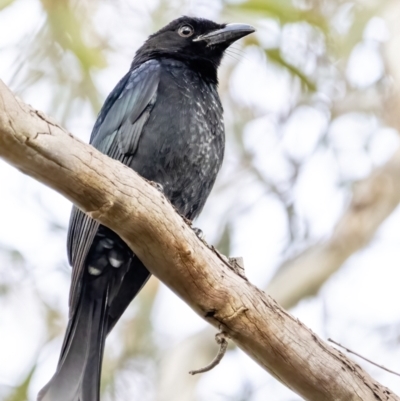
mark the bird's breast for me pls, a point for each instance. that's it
(182, 144)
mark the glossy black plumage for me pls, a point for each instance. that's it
(164, 120)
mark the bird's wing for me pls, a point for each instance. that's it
(116, 133)
(81, 232)
(127, 109)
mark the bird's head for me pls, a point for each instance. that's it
(196, 41)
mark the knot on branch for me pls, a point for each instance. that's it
(98, 213)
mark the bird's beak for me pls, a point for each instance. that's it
(229, 34)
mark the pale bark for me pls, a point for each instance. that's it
(118, 198)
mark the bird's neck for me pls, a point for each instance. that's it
(205, 68)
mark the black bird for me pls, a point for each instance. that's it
(164, 119)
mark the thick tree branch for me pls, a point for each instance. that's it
(121, 200)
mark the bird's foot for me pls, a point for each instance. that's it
(237, 265)
(157, 186)
(199, 233)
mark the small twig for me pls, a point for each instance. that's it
(222, 339)
(362, 357)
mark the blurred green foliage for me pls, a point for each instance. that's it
(5, 3)
(20, 393)
(284, 10)
(67, 50)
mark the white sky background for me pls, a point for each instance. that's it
(360, 298)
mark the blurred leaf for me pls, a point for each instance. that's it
(5, 3)
(67, 25)
(4, 289)
(55, 321)
(362, 15)
(67, 30)
(14, 256)
(20, 392)
(275, 56)
(65, 52)
(283, 10)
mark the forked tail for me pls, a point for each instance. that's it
(79, 368)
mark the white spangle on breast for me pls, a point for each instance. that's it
(200, 104)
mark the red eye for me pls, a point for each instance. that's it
(185, 31)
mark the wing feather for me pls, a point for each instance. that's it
(116, 133)
(134, 101)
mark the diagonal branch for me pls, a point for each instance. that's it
(118, 198)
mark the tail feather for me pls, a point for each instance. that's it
(78, 372)
(90, 385)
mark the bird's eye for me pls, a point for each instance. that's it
(185, 31)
